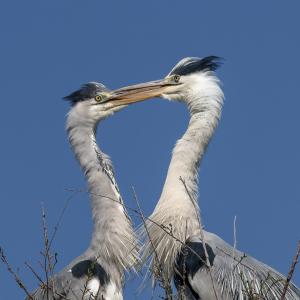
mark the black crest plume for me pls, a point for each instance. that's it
(87, 91)
(191, 65)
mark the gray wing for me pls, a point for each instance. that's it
(233, 274)
(85, 279)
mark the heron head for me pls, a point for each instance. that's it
(194, 76)
(94, 101)
(191, 77)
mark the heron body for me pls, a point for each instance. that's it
(202, 265)
(99, 272)
(232, 273)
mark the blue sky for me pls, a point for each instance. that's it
(251, 168)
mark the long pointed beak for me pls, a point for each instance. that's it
(139, 92)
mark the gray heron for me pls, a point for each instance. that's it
(99, 272)
(202, 265)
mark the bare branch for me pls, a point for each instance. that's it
(291, 272)
(166, 285)
(46, 254)
(35, 273)
(201, 234)
(234, 239)
(61, 216)
(14, 274)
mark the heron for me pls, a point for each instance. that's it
(200, 263)
(99, 272)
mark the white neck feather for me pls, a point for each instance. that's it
(113, 240)
(177, 207)
(205, 106)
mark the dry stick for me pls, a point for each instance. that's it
(52, 265)
(234, 239)
(109, 198)
(103, 196)
(16, 277)
(167, 287)
(184, 263)
(176, 239)
(35, 273)
(291, 272)
(201, 234)
(239, 261)
(46, 255)
(270, 286)
(95, 194)
(143, 217)
(61, 216)
(199, 221)
(234, 248)
(146, 218)
(62, 296)
(85, 289)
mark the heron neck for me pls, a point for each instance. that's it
(112, 238)
(177, 208)
(190, 148)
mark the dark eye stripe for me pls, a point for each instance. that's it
(194, 64)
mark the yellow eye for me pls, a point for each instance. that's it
(176, 78)
(98, 98)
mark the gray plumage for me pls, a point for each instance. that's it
(99, 272)
(234, 274)
(175, 221)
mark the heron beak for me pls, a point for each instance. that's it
(139, 92)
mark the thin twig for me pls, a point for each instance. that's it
(144, 219)
(184, 271)
(61, 216)
(291, 272)
(201, 234)
(35, 273)
(135, 211)
(16, 277)
(199, 221)
(46, 255)
(166, 285)
(237, 260)
(234, 239)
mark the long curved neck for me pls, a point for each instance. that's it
(113, 239)
(190, 149)
(177, 207)
(205, 111)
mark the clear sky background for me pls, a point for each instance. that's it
(250, 170)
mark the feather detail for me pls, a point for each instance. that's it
(176, 215)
